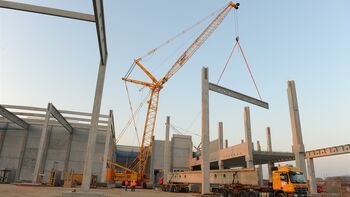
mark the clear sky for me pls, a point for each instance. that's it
(48, 59)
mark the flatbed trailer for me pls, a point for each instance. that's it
(287, 181)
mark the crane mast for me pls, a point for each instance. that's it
(156, 86)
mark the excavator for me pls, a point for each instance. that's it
(136, 171)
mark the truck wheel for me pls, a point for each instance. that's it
(230, 194)
(281, 194)
(176, 189)
(187, 189)
(242, 193)
(253, 194)
(223, 193)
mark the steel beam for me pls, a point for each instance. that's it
(237, 95)
(13, 118)
(100, 27)
(329, 151)
(47, 11)
(56, 114)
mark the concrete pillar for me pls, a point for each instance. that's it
(67, 155)
(107, 147)
(242, 141)
(311, 176)
(167, 155)
(260, 171)
(221, 144)
(226, 143)
(90, 148)
(205, 132)
(42, 144)
(248, 138)
(21, 153)
(46, 148)
(298, 146)
(2, 136)
(269, 149)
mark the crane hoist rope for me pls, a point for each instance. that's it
(156, 85)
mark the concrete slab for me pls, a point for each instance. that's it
(83, 194)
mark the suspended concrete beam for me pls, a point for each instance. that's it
(56, 114)
(47, 11)
(13, 118)
(237, 95)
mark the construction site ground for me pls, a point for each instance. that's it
(8, 190)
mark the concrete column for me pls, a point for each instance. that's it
(248, 138)
(167, 155)
(107, 148)
(242, 141)
(205, 132)
(226, 143)
(41, 148)
(90, 148)
(46, 148)
(21, 153)
(269, 149)
(260, 171)
(221, 144)
(298, 146)
(2, 136)
(311, 176)
(67, 155)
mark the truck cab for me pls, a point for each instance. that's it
(288, 181)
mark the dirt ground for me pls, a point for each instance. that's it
(7, 190)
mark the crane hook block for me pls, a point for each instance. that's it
(235, 5)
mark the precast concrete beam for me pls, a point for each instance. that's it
(47, 11)
(101, 32)
(298, 146)
(205, 132)
(13, 118)
(237, 95)
(58, 116)
(248, 138)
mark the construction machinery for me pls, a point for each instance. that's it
(286, 181)
(139, 163)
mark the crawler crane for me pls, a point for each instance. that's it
(139, 164)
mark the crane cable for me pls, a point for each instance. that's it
(132, 114)
(154, 50)
(130, 120)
